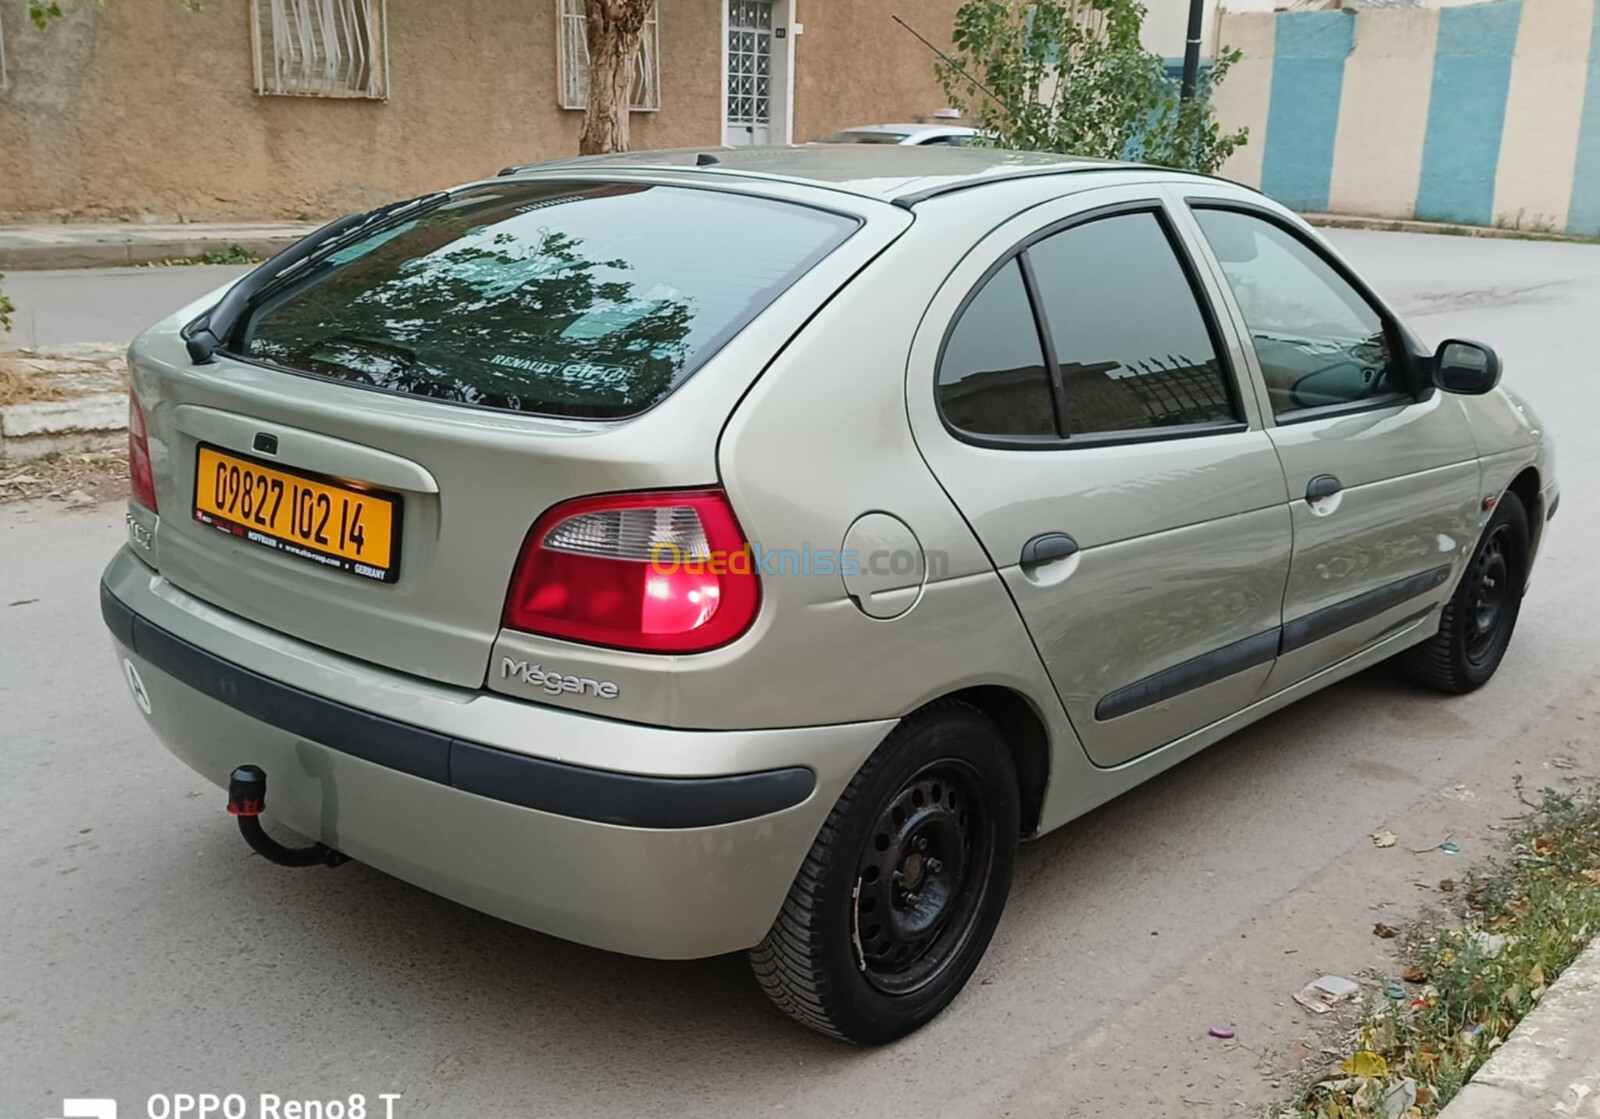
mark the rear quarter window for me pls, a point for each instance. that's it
(567, 299)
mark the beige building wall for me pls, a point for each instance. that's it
(1539, 146)
(143, 109)
(1247, 94)
(1383, 114)
(855, 65)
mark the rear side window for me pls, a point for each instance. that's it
(992, 379)
(1134, 349)
(566, 299)
(1093, 330)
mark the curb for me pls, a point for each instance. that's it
(86, 408)
(122, 254)
(1448, 229)
(1550, 1065)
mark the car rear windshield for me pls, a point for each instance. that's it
(564, 299)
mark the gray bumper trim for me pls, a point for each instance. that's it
(625, 799)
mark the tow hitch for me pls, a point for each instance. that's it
(247, 796)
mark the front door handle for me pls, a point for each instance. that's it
(1046, 547)
(1323, 485)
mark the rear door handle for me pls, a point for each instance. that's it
(1046, 547)
(1323, 485)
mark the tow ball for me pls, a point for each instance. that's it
(247, 797)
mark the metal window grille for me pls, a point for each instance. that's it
(573, 59)
(321, 48)
(750, 62)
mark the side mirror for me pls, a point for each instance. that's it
(1469, 368)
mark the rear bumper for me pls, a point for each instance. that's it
(516, 809)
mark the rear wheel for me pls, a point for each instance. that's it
(1478, 622)
(900, 894)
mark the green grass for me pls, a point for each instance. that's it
(233, 254)
(1465, 994)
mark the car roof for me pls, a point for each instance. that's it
(894, 173)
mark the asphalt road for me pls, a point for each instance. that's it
(143, 950)
(102, 304)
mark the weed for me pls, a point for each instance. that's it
(233, 254)
(1523, 921)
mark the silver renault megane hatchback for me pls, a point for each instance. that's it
(689, 552)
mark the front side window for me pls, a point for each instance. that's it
(1134, 349)
(1318, 341)
(556, 298)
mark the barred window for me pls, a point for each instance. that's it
(573, 59)
(321, 48)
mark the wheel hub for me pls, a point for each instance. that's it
(916, 889)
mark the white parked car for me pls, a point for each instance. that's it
(910, 135)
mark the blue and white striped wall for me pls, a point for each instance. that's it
(1484, 114)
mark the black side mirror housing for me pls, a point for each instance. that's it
(1468, 368)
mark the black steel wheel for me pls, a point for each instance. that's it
(1489, 595)
(902, 890)
(921, 878)
(1476, 627)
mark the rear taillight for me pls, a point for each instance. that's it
(666, 572)
(140, 478)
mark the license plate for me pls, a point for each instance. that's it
(326, 521)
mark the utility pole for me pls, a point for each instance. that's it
(1191, 50)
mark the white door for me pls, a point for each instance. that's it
(750, 73)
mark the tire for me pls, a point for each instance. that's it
(858, 954)
(1481, 615)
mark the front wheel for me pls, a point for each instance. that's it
(1477, 624)
(902, 890)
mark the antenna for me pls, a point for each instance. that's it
(960, 69)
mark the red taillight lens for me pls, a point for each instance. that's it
(140, 478)
(665, 572)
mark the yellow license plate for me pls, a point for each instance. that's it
(333, 523)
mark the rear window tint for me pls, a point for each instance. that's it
(569, 299)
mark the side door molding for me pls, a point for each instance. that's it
(1329, 620)
(1262, 647)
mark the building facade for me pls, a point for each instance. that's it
(1480, 114)
(307, 108)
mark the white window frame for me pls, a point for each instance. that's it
(572, 59)
(272, 21)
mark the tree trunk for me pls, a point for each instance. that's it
(613, 28)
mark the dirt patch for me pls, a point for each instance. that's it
(17, 387)
(1158, 1057)
(61, 373)
(76, 481)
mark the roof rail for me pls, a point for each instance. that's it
(519, 168)
(907, 201)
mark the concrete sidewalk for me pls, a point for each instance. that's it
(117, 244)
(1550, 1065)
